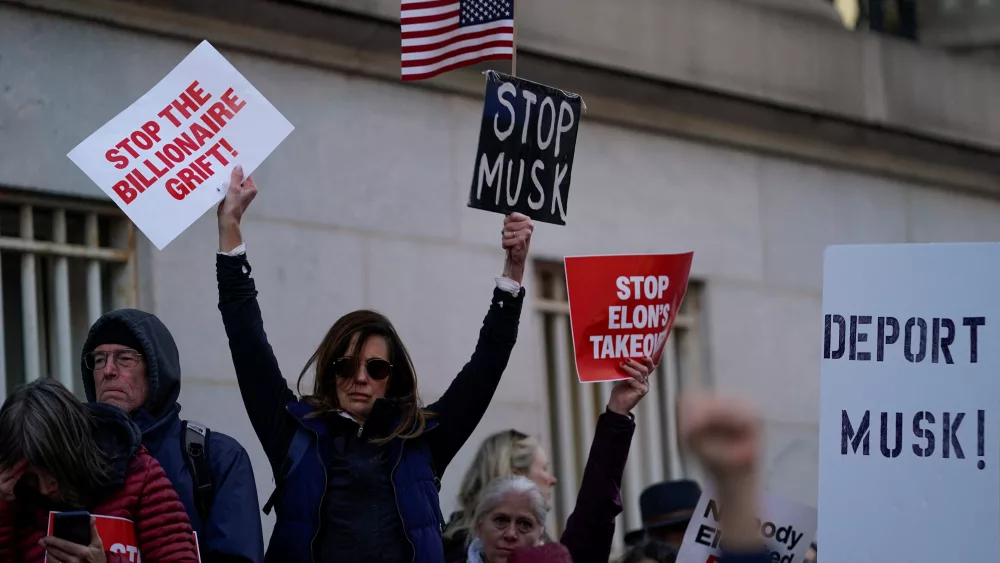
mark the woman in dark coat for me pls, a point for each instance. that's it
(357, 462)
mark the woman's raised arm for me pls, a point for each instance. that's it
(265, 391)
(465, 401)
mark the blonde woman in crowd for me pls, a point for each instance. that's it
(591, 528)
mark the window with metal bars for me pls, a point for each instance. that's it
(574, 407)
(63, 263)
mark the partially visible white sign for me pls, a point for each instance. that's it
(786, 528)
(167, 158)
(910, 394)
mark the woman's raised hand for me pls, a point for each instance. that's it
(627, 393)
(233, 206)
(516, 238)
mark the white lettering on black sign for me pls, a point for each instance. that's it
(526, 146)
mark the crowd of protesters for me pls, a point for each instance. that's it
(356, 460)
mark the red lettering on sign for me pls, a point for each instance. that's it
(118, 160)
(152, 128)
(123, 144)
(234, 103)
(197, 94)
(214, 151)
(177, 188)
(124, 191)
(220, 113)
(210, 122)
(200, 134)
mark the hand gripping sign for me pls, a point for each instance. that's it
(167, 158)
(527, 141)
(786, 528)
(118, 536)
(622, 307)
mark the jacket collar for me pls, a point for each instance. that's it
(156, 430)
(475, 552)
(384, 417)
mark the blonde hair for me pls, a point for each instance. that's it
(503, 454)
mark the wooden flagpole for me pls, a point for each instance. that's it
(513, 56)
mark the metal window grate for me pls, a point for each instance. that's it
(63, 263)
(574, 407)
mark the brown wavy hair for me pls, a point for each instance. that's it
(356, 328)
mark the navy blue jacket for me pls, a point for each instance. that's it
(758, 557)
(281, 422)
(233, 533)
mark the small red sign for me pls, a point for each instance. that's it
(118, 536)
(622, 307)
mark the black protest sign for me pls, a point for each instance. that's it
(526, 146)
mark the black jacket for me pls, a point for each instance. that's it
(270, 402)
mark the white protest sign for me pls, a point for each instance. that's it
(910, 393)
(167, 158)
(786, 528)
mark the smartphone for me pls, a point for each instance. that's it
(72, 527)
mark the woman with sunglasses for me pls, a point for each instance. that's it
(357, 461)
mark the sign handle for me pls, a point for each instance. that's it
(513, 72)
(513, 56)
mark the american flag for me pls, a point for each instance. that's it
(442, 35)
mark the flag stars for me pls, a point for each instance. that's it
(485, 11)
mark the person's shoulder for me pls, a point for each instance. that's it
(141, 468)
(141, 459)
(224, 450)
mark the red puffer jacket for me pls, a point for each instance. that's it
(138, 491)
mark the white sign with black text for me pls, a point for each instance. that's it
(910, 394)
(786, 528)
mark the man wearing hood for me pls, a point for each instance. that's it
(142, 376)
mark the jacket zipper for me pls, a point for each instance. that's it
(319, 510)
(395, 497)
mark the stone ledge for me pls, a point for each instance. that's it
(763, 53)
(353, 44)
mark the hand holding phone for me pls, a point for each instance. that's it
(74, 539)
(72, 526)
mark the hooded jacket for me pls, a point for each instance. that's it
(135, 489)
(233, 531)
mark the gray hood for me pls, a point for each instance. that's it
(163, 363)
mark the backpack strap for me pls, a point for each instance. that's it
(194, 450)
(296, 451)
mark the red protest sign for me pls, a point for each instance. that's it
(118, 536)
(622, 307)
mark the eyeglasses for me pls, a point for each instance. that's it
(522, 525)
(377, 368)
(125, 359)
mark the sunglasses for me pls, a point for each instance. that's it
(377, 368)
